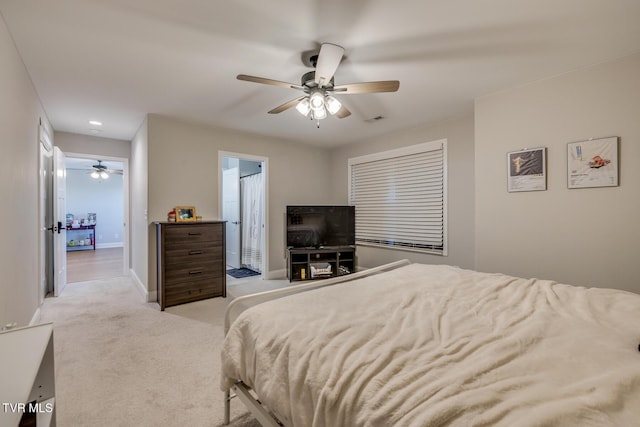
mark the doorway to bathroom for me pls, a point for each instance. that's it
(243, 206)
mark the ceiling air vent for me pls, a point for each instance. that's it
(374, 119)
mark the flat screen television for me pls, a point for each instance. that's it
(318, 226)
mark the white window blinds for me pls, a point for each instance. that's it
(400, 198)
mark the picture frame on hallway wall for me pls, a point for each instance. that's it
(185, 213)
(527, 170)
(593, 163)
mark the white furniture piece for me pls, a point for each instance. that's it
(27, 378)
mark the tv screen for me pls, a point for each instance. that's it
(316, 226)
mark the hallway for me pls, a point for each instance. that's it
(94, 265)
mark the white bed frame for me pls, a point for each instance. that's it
(238, 305)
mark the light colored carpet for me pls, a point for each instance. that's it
(251, 285)
(123, 362)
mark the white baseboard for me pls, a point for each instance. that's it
(276, 274)
(109, 245)
(36, 317)
(147, 296)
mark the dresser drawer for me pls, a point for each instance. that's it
(179, 253)
(192, 272)
(192, 233)
(207, 285)
(187, 292)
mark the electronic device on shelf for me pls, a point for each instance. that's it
(320, 226)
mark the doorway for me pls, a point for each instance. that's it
(95, 217)
(243, 205)
(53, 221)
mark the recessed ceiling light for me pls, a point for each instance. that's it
(95, 123)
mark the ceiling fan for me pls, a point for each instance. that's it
(319, 88)
(99, 171)
(96, 171)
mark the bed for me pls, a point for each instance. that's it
(428, 345)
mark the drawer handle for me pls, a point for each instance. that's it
(194, 234)
(196, 272)
(195, 252)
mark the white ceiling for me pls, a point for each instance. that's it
(117, 60)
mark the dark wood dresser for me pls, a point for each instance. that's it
(191, 261)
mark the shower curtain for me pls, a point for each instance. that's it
(252, 231)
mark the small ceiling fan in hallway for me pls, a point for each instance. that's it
(96, 171)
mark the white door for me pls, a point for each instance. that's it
(46, 219)
(231, 214)
(59, 222)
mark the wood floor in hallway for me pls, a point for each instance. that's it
(94, 265)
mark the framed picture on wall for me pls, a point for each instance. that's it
(185, 213)
(527, 170)
(593, 163)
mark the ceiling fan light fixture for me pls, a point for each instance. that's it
(99, 171)
(333, 105)
(316, 99)
(319, 113)
(304, 107)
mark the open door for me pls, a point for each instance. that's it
(231, 214)
(59, 222)
(45, 218)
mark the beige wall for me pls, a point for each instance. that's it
(20, 113)
(459, 135)
(94, 145)
(183, 170)
(579, 236)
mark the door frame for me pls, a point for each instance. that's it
(125, 201)
(231, 177)
(265, 182)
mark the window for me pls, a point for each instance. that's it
(400, 198)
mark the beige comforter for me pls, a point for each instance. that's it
(436, 345)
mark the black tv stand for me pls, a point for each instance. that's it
(320, 263)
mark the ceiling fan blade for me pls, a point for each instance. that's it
(368, 87)
(328, 60)
(343, 112)
(109, 171)
(267, 81)
(286, 105)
